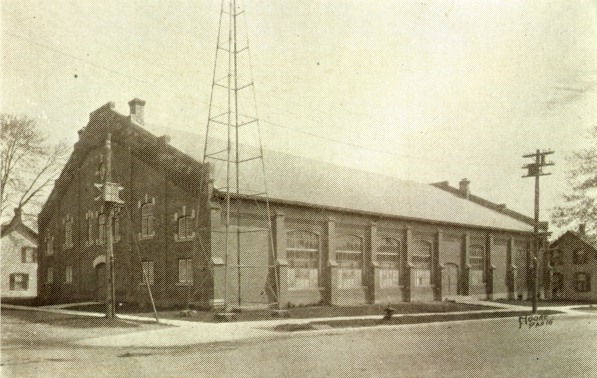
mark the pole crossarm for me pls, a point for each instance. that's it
(535, 170)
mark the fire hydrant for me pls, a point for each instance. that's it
(389, 312)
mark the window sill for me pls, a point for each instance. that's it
(318, 288)
(184, 284)
(149, 237)
(142, 284)
(362, 287)
(180, 240)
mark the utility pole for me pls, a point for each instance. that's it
(112, 203)
(536, 170)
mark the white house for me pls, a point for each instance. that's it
(19, 260)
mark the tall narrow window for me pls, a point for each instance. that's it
(583, 282)
(102, 228)
(185, 227)
(148, 271)
(49, 244)
(421, 259)
(147, 220)
(477, 263)
(68, 274)
(302, 252)
(19, 281)
(185, 271)
(388, 257)
(68, 232)
(116, 228)
(349, 254)
(28, 254)
(50, 275)
(89, 237)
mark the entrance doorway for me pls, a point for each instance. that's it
(100, 282)
(450, 284)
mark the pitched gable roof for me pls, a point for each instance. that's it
(301, 181)
(589, 241)
(16, 224)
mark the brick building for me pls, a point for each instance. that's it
(573, 266)
(340, 235)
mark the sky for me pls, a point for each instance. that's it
(423, 90)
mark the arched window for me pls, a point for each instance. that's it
(147, 220)
(421, 259)
(477, 262)
(349, 255)
(388, 257)
(302, 252)
(185, 227)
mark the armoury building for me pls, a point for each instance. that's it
(340, 235)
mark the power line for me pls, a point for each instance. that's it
(110, 70)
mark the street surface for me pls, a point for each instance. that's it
(488, 348)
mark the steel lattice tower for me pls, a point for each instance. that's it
(233, 146)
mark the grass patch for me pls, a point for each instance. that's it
(397, 320)
(544, 302)
(589, 308)
(63, 320)
(331, 311)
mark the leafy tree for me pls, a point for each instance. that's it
(580, 204)
(29, 163)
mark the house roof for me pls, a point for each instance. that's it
(301, 181)
(590, 241)
(16, 224)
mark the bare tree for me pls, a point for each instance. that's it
(29, 163)
(580, 204)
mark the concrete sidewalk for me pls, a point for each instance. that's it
(191, 333)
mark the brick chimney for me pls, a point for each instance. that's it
(137, 110)
(582, 229)
(18, 215)
(465, 188)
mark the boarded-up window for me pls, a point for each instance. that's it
(302, 252)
